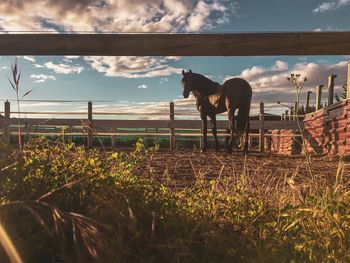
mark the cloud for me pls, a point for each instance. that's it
(208, 15)
(328, 6)
(132, 67)
(115, 16)
(69, 59)
(42, 77)
(29, 58)
(270, 84)
(63, 68)
(39, 66)
(143, 86)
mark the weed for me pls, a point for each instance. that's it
(61, 202)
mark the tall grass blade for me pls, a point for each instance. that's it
(13, 86)
(9, 247)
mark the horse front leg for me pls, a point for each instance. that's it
(204, 132)
(231, 121)
(214, 130)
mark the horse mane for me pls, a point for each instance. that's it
(204, 85)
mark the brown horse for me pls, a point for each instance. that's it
(213, 98)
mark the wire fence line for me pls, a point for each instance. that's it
(171, 128)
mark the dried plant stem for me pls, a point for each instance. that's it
(15, 85)
(19, 123)
(9, 247)
(294, 79)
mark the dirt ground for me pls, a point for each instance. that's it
(184, 167)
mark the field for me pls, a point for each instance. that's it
(63, 203)
(183, 168)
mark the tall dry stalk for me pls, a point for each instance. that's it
(299, 84)
(8, 246)
(15, 85)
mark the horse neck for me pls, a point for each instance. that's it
(203, 86)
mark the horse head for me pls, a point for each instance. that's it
(186, 83)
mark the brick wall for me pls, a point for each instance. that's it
(285, 142)
(327, 131)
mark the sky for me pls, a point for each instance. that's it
(148, 84)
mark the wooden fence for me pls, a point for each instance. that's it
(174, 128)
(162, 44)
(233, 44)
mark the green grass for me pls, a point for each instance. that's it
(62, 203)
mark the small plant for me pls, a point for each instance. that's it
(299, 83)
(63, 203)
(342, 95)
(15, 85)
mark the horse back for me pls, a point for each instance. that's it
(239, 86)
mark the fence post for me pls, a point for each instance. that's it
(172, 130)
(156, 137)
(261, 131)
(331, 89)
(348, 83)
(296, 110)
(70, 136)
(307, 107)
(6, 128)
(318, 97)
(113, 139)
(90, 125)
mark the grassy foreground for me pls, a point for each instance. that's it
(62, 203)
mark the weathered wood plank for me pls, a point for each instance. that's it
(160, 124)
(234, 44)
(254, 124)
(47, 122)
(132, 123)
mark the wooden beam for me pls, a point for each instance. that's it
(172, 130)
(348, 83)
(161, 124)
(261, 131)
(331, 89)
(235, 44)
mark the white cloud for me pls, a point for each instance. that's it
(143, 86)
(69, 59)
(39, 66)
(63, 68)
(208, 15)
(324, 7)
(42, 77)
(270, 84)
(328, 6)
(132, 67)
(29, 58)
(116, 16)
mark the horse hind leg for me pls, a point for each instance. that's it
(246, 146)
(231, 120)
